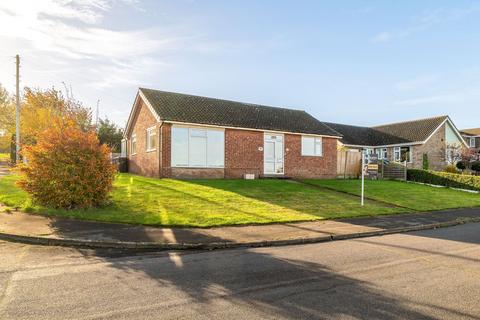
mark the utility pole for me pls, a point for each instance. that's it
(96, 117)
(17, 132)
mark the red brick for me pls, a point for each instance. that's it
(298, 166)
(143, 162)
(243, 154)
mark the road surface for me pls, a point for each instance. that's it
(424, 275)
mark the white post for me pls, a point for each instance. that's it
(363, 177)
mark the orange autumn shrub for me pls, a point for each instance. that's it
(67, 168)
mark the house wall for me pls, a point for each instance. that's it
(143, 163)
(435, 148)
(299, 166)
(242, 154)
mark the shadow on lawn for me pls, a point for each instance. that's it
(259, 280)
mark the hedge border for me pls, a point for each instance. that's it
(450, 180)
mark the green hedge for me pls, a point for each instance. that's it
(451, 180)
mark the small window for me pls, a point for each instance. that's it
(151, 139)
(123, 148)
(472, 143)
(133, 145)
(383, 155)
(312, 146)
(402, 154)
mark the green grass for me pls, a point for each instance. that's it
(414, 196)
(4, 156)
(206, 203)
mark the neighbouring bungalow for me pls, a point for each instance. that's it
(184, 136)
(436, 139)
(472, 137)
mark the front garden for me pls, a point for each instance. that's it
(207, 203)
(406, 194)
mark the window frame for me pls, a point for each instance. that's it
(399, 150)
(133, 142)
(148, 137)
(317, 146)
(472, 139)
(189, 137)
(383, 154)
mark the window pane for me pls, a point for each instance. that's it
(151, 139)
(405, 154)
(269, 151)
(179, 146)
(318, 146)
(198, 151)
(215, 148)
(198, 133)
(308, 146)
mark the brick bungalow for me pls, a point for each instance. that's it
(472, 137)
(409, 141)
(184, 136)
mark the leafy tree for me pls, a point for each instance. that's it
(110, 134)
(43, 109)
(67, 168)
(7, 117)
(40, 110)
(476, 166)
(425, 161)
(461, 165)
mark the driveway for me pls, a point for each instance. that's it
(423, 275)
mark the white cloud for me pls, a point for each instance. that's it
(67, 41)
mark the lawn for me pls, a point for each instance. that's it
(414, 196)
(206, 203)
(4, 156)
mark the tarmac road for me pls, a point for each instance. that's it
(431, 274)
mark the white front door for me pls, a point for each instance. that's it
(273, 154)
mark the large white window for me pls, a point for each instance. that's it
(198, 147)
(133, 144)
(151, 139)
(312, 146)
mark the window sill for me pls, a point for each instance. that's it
(133, 154)
(310, 155)
(188, 167)
(151, 150)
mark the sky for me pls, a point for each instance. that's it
(354, 62)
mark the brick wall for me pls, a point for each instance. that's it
(143, 162)
(298, 166)
(434, 148)
(242, 154)
(165, 150)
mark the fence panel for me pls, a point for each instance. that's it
(348, 163)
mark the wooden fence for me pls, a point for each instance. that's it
(348, 163)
